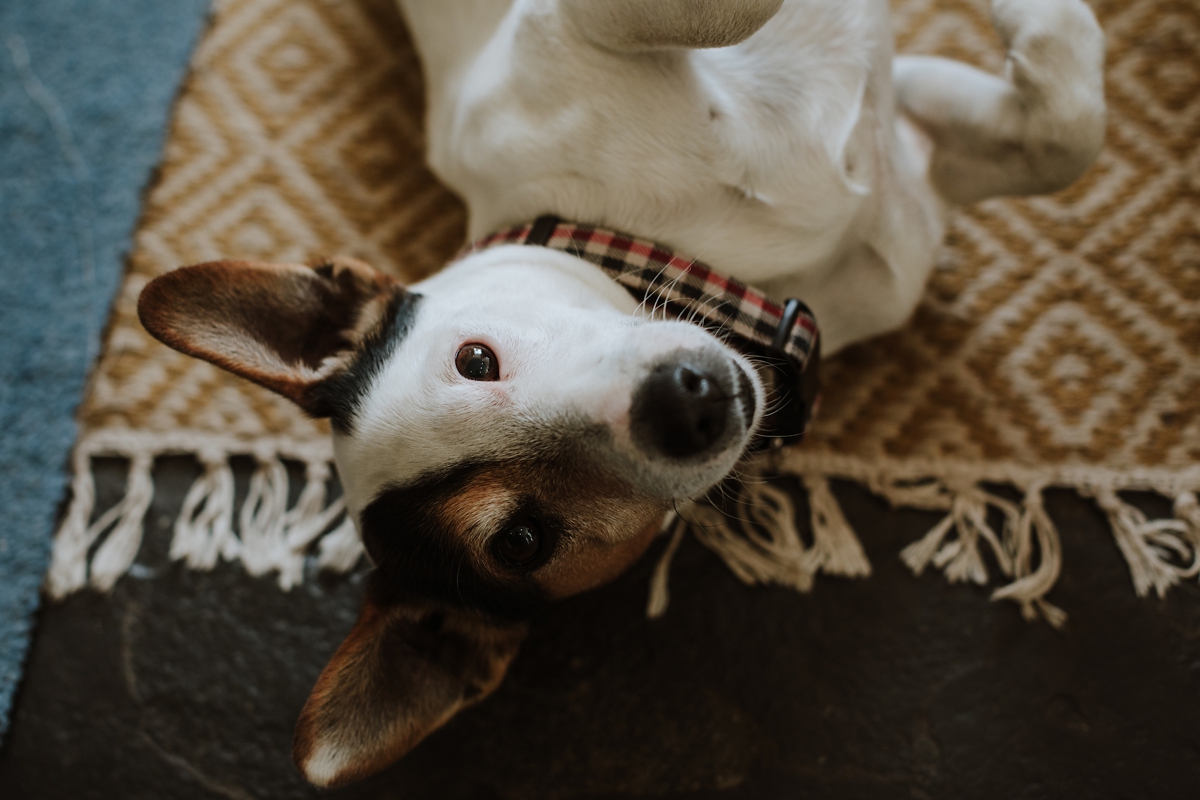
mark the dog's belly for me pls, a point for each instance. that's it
(775, 160)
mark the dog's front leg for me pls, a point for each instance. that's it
(631, 25)
(1035, 131)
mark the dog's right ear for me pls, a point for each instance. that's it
(287, 327)
(404, 670)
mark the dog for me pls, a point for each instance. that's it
(514, 429)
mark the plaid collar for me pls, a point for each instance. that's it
(784, 338)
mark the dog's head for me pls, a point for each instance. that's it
(509, 432)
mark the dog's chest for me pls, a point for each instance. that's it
(758, 156)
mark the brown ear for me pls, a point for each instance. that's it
(403, 671)
(284, 326)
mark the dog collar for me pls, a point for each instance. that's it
(784, 338)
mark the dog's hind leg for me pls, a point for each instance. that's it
(1034, 131)
(630, 25)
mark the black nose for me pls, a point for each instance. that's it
(682, 408)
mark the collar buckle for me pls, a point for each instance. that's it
(794, 390)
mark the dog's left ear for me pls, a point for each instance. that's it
(403, 671)
(287, 327)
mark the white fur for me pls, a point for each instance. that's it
(782, 159)
(327, 763)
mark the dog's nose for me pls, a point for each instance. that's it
(682, 408)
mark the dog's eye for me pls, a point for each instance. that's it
(519, 545)
(477, 363)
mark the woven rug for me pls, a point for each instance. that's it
(1058, 343)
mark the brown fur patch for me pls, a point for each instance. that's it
(435, 538)
(600, 564)
(603, 520)
(401, 673)
(284, 326)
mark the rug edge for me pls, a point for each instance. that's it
(764, 546)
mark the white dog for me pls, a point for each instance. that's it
(513, 429)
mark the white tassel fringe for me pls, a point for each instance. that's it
(1160, 552)
(204, 527)
(763, 545)
(341, 548)
(116, 554)
(269, 536)
(839, 551)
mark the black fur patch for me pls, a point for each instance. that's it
(416, 558)
(340, 397)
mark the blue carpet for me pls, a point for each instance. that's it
(85, 91)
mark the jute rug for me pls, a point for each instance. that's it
(1058, 343)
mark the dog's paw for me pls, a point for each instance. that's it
(1027, 26)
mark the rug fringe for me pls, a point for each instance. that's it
(307, 520)
(116, 554)
(838, 548)
(204, 528)
(762, 544)
(760, 540)
(76, 537)
(1160, 552)
(341, 548)
(269, 535)
(656, 604)
(1031, 584)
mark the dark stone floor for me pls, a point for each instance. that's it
(186, 685)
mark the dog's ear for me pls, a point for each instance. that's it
(403, 671)
(284, 326)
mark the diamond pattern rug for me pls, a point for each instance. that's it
(1058, 343)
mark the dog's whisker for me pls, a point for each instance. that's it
(654, 283)
(663, 294)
